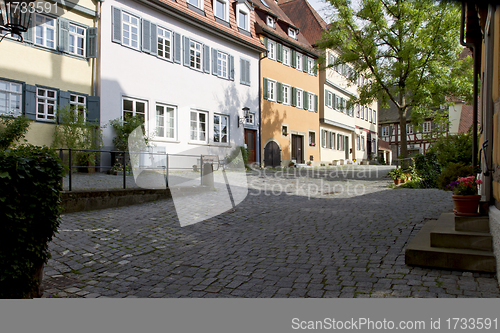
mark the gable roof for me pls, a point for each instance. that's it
(305, 17)
(179, 9)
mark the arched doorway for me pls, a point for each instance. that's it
(272, 155)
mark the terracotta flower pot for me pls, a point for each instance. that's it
(466, 204)
(397, 181)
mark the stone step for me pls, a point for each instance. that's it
(445, 235)
(472, 223)
(419, 252)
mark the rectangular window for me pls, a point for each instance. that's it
(366, 113)
(130, 30)
(198, 126)
(362, 112)
(284, 130)
(10, 98)
(244, 72)
(370, 115)
(242, 20)
(250, 119)
(329, 99)
(409, 129)
(46, 104)
(299, 61)
(271, 90)
(45, 31)
(300, 93)
(220, 9)
(310, 66)
(286, 56)
(271, 50)
(270, 21)
(323, 138)
(76, 42)
(292, 33)
(196, 3)
(338, 103)
(427, 127)
(312, 138)
(165, 121)
(195, 55)
(286, 94)
(357, 110)
(164, 43)
(385, 130)
(78, 104)
(374, 118)
(310, 97)
(133, 107)
(221, 128)
(222, 65)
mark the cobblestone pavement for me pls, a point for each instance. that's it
(323, 235)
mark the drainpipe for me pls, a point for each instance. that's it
(477, 62)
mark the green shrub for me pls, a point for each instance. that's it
(124, 128)
(30, 185)
(415, 182)
(453, 149)
(12, 130)
(452, 172)
(428, 168)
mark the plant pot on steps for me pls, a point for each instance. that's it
(466, 205)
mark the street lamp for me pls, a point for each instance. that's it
(15, 16)
(246, 114)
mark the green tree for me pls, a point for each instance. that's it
(408, 52)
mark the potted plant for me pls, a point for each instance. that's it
(397, 175)
(465, 197)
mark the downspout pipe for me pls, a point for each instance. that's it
(477, 63)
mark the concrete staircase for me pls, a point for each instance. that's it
(453, 242)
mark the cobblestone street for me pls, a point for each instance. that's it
(295, 235)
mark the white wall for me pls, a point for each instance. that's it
(131, 73)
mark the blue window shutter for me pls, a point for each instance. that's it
(154, 40)
(231, 68)
(116, 25)
(63, 35)
(177, 47)
(316, 103)
(186, 51)
(206, 59)
(30, 101)
(214, 61)
(306, 101)
(279, 92)
(294, 59)
(279, 50)
(92, 43)
(264, 87)
(294, 96)
(304, 63)
(146, 35)
(93, 109)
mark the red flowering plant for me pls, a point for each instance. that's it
(465, 186)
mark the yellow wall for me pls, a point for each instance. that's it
(274, 114)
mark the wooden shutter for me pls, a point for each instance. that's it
(154, 40)
(316, 102)
(294, 59)
(28, 35)
(264, 87)
(279, 92)
(279, 54)
(306, 101)
(186, 51)
(231, 67)
(92, 43)
(247, 71)
(93, 109)
(206, 59)
(63, 35)
(30, 101)
(177, 47)
(294, 96)
(116, 25)
(304, 63)
(214, 61)
(146, 36)
(64, 97)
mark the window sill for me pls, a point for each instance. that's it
(165, 140)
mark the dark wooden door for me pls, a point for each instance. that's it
(251, 142)
(297, 148)
(272, 156)
(347, 149)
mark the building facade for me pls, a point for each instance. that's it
(52, 67)
(187, 68)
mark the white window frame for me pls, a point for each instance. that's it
(300, 96)
(250, 119)
(221, 116)
(222, 65)
(270, 21)
(329, 99)
(78, 103)
(195, 55)
(134, 110)
(310, 97)
(385, 131)
(366, 113)
(198, 126)
(161, 33)
(299, 62)
(337, 105)
(271, 90)
(426, 127)
(132, 29)
(75, 36)
(165, 122)
(292, 33)
(409, 129)
(374, 117)
(312, 143)
(197, 3)
(225, 14)
(49, 25)
(284, 129)
(369, 115)
(241, 8)
(47, 103)
(271, 50)
(9, 92)
(286, 56)
(287, 94)
(357, 111)
(310, 66)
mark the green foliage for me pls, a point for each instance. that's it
(428, 168)
(30, 185)
(124, 128)
(235, 160)
(397, 173)
(73, 131)
(452, 172)
(453, 149)
(407, 51)
(415, 182)
(12, 129)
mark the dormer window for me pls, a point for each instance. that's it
(196, 3)
(292, 33)
(221, 9)
(243, 17)
(270, 21)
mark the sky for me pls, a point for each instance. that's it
(322, 8)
